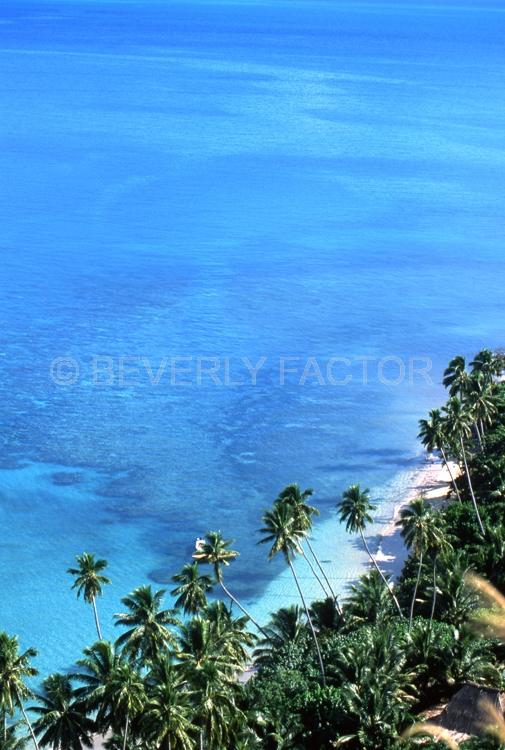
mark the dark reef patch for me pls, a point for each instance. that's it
(66, 478)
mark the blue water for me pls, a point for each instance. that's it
(228, 179)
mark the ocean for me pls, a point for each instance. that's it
(239, 242)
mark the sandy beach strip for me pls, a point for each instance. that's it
(433, 482)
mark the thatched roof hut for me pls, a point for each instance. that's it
(465, 713)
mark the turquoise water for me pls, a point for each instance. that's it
(229, 180)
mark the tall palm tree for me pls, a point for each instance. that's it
(15, 668)
(169, 714)
(439, 546)
(458, 422)
(126, 693)
(147, 633)
(432, 434)
(89, 581)
(417, 529)
(298, 500)
(215, 705)
(486, 365)
(355, 509)
(456, 377)
(62, 723)
(198, 645)
(231, 633)
(481, 401)
(216, 551)
(192, 590)
(101, 661)
(210, 670)
(282, 529)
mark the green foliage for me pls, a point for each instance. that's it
(322, 716)
(14, 737)
(63, 720)
(89, 579)
(482, 743)
(192, 589)
(286, 626)
(325, 676)
(369, 601)
(147, 633)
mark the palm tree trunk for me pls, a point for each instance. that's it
(28, 723)
(446, 462)
(125, 738)
(469, 480)
(434, 598)
(242, 609)
(476, 425)
(323, 572)
(314, 573)
(414, 594)
(201, 740)
(97, 621)
(309, 619)
(379, 571)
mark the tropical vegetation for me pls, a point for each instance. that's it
(357, 673)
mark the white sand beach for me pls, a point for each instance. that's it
(345, 564)
(433, 482)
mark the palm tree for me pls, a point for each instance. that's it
(292, 495)
(63, 723)
(456, 599)
(486, 365)
(417, 529)
(438, 547)
(216, 551)
(470, 660)
(126, 693)
(192, 590)
(216, 708)
(490, 558)
(100, 663)
(377, 689)
(480, 400)
(147, 633)
(14, 669)
(89, 581)
(281, 528)
(456, 377)
(369, 601)
(433, 436)
(231, 633)
(198, 645)
(458, 423)
(210, 668)
(355, 509)
(326, 615)
(168, 716)
(11, 739)
(285, 626)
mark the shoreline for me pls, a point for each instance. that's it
(343, 556)
(433, 482)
